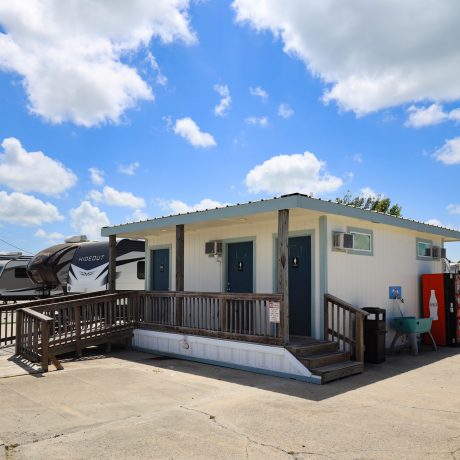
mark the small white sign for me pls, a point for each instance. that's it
(274, 312)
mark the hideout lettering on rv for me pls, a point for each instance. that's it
(91, 258)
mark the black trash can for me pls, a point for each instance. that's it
(374, 335)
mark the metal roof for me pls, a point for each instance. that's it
(292, 201)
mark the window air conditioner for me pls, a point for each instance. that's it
(343, 241)
(213, 247)
(438, 253)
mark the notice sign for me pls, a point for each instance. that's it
(274, 312)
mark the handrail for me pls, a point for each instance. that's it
(344, 324)
(32, 336)
(346, 305)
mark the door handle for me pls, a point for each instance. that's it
(228, 287)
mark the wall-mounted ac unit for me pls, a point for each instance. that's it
(438, 253)
(212, 248)
(343, 241)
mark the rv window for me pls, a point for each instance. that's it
(141, 270)
(20, 272)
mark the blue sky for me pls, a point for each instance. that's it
(113, 112)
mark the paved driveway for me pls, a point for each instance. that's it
(135, 405)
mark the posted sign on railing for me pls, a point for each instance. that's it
(274, 312)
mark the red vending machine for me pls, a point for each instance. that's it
(446, 286)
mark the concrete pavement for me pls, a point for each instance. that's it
(134, 405)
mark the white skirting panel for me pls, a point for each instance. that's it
(265, 359)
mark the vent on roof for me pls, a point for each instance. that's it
(212, 248)
(343, 241)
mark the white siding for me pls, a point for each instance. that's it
(364, 280)
(360, 280)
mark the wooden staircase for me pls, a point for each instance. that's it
(324, 358)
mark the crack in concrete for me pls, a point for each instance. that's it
(249, 439)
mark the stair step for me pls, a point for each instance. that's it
(338, 370)
(318, 347)
(314, 361)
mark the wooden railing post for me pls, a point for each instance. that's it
(326, 318)
(179, 272)
(78, 331)
(45, 345)
(223, 315)
(19, 327)
(283, 270)
(112, 263)
(359, 332)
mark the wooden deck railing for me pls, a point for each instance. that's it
(55, 326)
(8, 314)
(8, 324)
(344, 324)
(222, 315)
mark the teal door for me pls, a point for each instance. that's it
(160, 269)
(240, 267)
(300, 285)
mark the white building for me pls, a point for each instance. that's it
(386, 251)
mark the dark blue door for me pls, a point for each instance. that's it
(160, 269)
(239, 267)
(300, 285)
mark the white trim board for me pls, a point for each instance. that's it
(264, 359)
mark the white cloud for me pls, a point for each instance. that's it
(70, 54)
(367, 192)
(114, 197)
(257, 121)
(189, 130)
(432, 115)
(302, 173)
(130, 169)
(97, 176)
(357, 157)
(25, 171)
(179, 207)
(138, 215)
(259, 92)
(436, 222)
(22, 209)
(285, 111)
(449, 153)
(453, 209)
(88, 220)
(51, 237)
(161, 79)
(221, 109)
(366, 64)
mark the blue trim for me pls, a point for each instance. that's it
(275, 204)
(314, 379)
(323, 272)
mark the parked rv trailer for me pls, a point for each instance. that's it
(14, 282)
(83, 266)
(89, 269)
(50, 267)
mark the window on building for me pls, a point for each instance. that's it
(424, 248)
(362, 241)
(141, 270)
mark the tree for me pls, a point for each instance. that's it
(378, 204)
